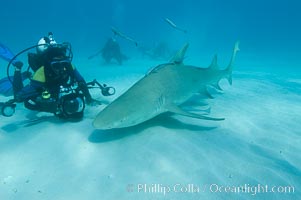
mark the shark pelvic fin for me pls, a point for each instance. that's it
(217, 86)
(229, 78)
(179, 56)
(208, 94)
(178, 110)
(205, 93)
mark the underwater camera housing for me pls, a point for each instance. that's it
(71, 106)
(71, 103)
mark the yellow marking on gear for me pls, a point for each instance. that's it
(46, 95)
(39, 75)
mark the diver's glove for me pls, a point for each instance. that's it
(27, 74)
(18, 65)
(89, 100)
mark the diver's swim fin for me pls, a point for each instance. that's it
(6, 54)
(6, 88)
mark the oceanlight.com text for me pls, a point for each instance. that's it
(164, 189)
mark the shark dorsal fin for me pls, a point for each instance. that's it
(213, 64)
(179, 56)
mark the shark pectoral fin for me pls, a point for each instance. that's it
(214, 89)
(179, 111)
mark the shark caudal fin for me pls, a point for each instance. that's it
(229, 69)
(180, 55)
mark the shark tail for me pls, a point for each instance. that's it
(229, 69)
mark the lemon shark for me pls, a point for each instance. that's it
(164, 89)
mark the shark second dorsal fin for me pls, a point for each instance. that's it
(229, 69)
(213, 64)
(235, 50)
(179, 56)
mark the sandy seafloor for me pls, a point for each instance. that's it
(42, 157)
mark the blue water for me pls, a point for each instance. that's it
(259, 143)
(268, 30)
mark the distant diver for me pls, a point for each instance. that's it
(116, 32)
(111, 50)
(173, 25)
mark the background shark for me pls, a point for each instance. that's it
(172, 24)
(163, 89)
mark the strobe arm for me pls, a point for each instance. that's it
(105, 90)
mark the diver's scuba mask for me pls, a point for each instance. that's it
(60, 67)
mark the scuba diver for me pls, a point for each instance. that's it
(111, 51)
(56, 85)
